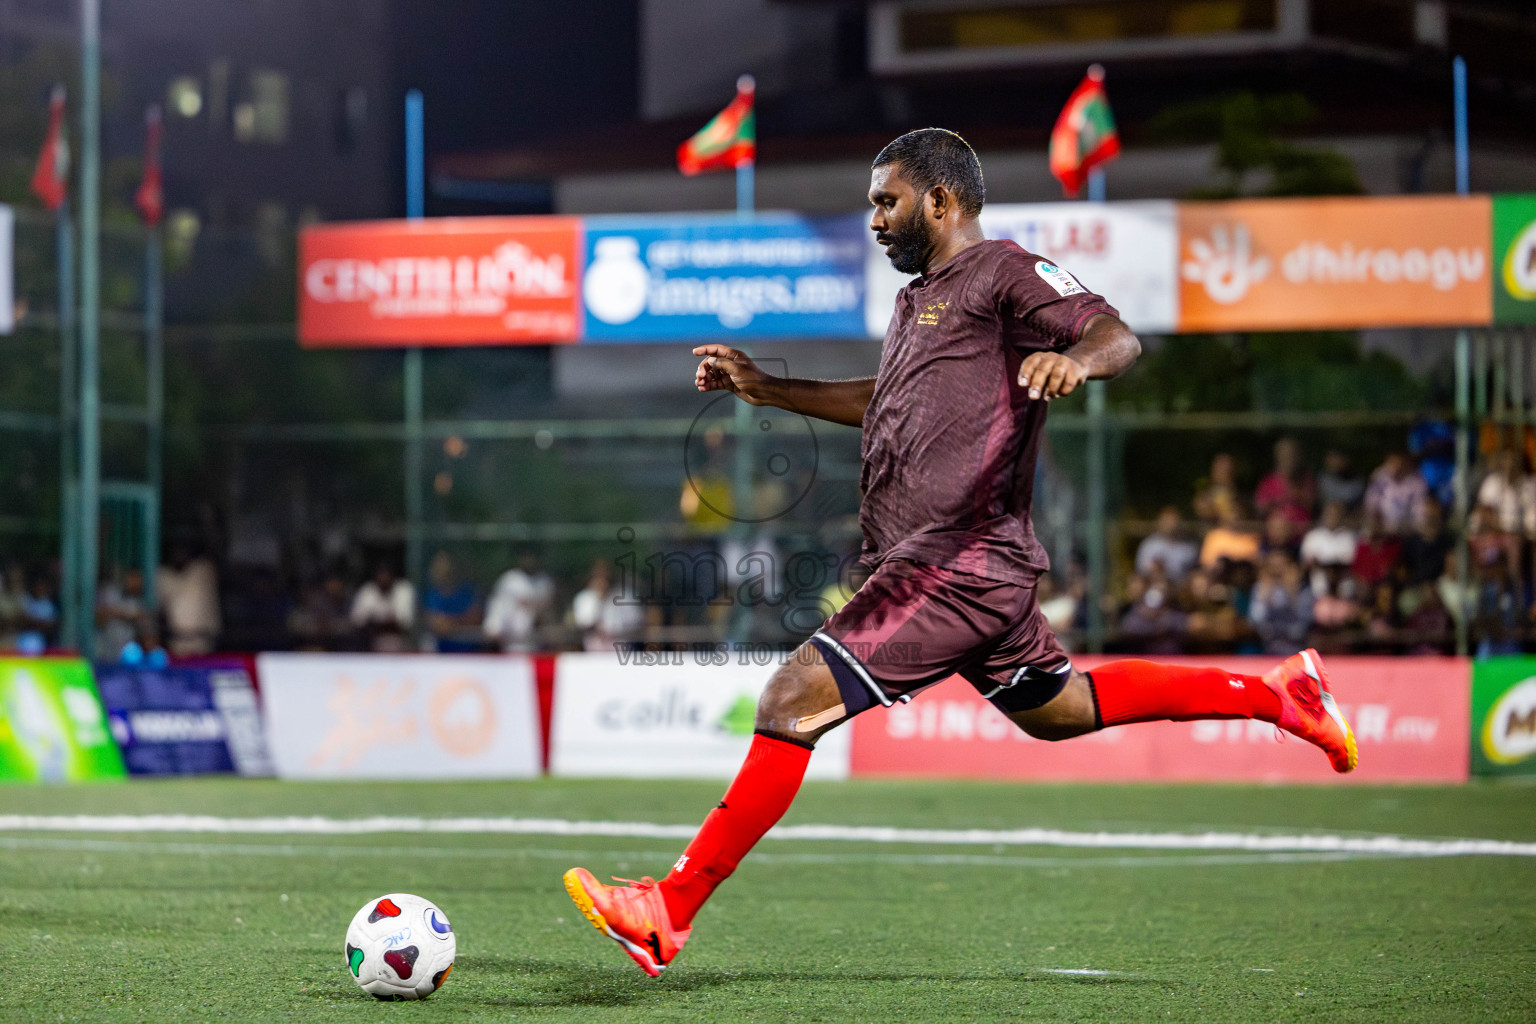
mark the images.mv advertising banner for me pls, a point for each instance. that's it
(52, 726)
(668, 714)
(443, 281)
(1125, 252)
(719, 277)
(1409, 716)
(1314, 264)
(381, 716)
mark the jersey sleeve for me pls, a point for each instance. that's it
(1049, 301)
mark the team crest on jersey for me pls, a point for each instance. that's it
(1064, 283)
(931, 311)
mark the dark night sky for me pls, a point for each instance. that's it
(509, 72)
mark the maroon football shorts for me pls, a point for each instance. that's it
(912, 625)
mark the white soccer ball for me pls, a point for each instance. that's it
(400, 946)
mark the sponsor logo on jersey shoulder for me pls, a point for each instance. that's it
(1064, 283)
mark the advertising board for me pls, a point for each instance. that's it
(52, 727)
(362, 716)
(443, 281)
(668, 718)
(713, 277)
(1504, 716)
(1514, 259)
(1314, 264)
(178, 720)
(1126, 252)
(1409, 716)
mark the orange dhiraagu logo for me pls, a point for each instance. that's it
(1300, 264)
(462, 716)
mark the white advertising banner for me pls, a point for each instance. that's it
(1126, 252)
(7, 270)
(674, 720)
(379, 716)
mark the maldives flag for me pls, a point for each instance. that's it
(150, 197)
(50, 181)
(1085, 135)
(730, 138)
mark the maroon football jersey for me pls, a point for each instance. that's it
(950, 438)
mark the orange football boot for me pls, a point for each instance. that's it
(634, 915)
(1307, 708)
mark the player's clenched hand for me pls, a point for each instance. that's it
(727, 369)
(1050, 375)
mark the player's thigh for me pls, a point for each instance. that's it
(801, 700)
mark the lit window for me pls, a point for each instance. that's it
(185, 96)
(263, 117)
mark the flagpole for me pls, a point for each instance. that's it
(746, 172)
(1459, 98)
(69, 605)
(413, 373)
(90, 317)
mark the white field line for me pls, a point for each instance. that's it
(1261, 843)
(620, 857)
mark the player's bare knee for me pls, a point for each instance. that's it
(801, 701)
(1069, 714)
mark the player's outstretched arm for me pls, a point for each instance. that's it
(1106, 349)
(727, 369)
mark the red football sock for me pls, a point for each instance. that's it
(758, 797)
(1144, 691)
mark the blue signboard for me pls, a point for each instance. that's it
(172, 721)
(717, 277)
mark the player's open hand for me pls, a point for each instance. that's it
(1051, 375)
(727, 369)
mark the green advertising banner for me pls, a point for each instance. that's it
(1504, 716)
(52, 726)
(1514, 259)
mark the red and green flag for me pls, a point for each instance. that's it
(1085, 135)
(50, 179)
(728, 141)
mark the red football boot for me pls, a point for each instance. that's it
(1307, 708)
(633, 915)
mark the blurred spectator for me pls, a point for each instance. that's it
(451, 606)
(1328, 548)
(1214, 622)
(1496, 607)
(520, 602)
(39, 617)
(13, 591)
(1281, 607)
(1288, 489)
(1339, 482)
(1426, 623)
(188, 592)
(1395, 494)
(1229, 541)
(322, 619)
(1375, 553)
(384, 609)
(1059, 606)
(1424, 549)
(1511, 492)
(1151, 621)
(1167, 546)
(1454, 597)
(1433, 443)
(1216, 496)
(602, 613)
(1281, 533)
(122, 616)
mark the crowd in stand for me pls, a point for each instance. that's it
(1332, 559)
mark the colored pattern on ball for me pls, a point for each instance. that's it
(386, 908)
(402, 960)
(354, 959)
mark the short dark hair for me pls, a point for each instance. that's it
(937, 156)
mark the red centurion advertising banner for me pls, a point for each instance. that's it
(443, 281)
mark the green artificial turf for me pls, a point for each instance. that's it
(141, 927)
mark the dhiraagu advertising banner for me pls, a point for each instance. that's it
(1504, 716)
(1514, 259)
(719, 277)
(52, 727)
